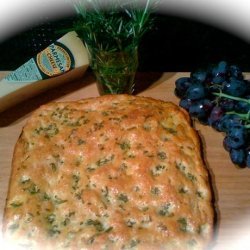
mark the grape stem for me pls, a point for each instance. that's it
(244, 116)
(231, 97)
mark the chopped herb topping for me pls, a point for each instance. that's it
(157, 170)
(58, 200)
(183, 224)
(76, 179)
(166, 210)
(200, 194)
(183, 190)
(130, 222)
(134, 243)
(155, 190)
(98, 126)
(105, 160)
(162, 155)
(24, 179)
(123, 197)
(54, 231)
(13, 227)
(80, 142)
(96, 223)
(192, 242)
(191, 177)
(185, 172)
(45, 197)
(49, 131)
(167, 128)
(162, 227)
(32, 188)
(125, 145)
(16, 203)
(105, 192)
(51, 218)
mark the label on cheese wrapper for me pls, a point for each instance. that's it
(52, 61)
(66, 56)
(55, 60)
(28, 72)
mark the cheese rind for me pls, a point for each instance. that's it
(113, 172)
(50, 68)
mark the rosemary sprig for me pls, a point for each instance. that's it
(117, 26)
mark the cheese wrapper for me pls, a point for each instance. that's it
(63, 61)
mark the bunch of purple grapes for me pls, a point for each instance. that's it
(219, 96)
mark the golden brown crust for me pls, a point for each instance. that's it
(113, 172)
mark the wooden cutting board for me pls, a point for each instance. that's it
(231, 185)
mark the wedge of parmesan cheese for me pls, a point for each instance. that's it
(63, 61)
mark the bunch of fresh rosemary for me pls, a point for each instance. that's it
(112, 31)
(115, 25)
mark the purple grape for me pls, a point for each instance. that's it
(242, 107)
(234, 87)
(227, 104)
(196, 91)
(185, 103)
(201, 109)
(181, 86)
(238, 156)
(236, 136)
(227, 121)
(236, 72)
(201, 76)
(215, 115)
(220, 72)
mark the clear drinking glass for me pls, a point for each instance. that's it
(114, 70)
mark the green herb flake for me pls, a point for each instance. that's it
(13, 227)
(157, 170)
(105, 160)
(97, 225)
(45, 197)
(134, 243)
(16, 204)
(130, 222)
(123, 198)
(50, 218)
(80, 142)
(200, 194)
(155, 191)
(166, 210)
(125, 145)
(49, 131)
(54, 231)
(191, 177)
(98, 126)
(32, 188)
(75, 180)
(58, 201)
(24, 179)
(183, 190)
(192, 243)
(162, 155)
(183, 224)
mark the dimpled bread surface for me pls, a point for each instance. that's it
(111, 172)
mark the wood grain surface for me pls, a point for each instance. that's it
(231, 185)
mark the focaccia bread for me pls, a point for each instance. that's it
(112, 172)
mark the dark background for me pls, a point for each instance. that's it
(174, 44)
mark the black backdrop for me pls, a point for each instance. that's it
(174, 44)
